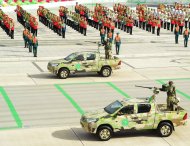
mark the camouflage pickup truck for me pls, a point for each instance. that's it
(83, 62)
(132, 114)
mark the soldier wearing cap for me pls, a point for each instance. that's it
(171, 95)
(117, 42)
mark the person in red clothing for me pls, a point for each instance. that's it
(153, 26)
(181, 24)
(149, 24)
(112, 27)
(158, 26)
(31, 21)
(172, 23)
(61, 12)
(95, 19)
(59, 27)
(39, 12)
(81, 24)
(11, 29)
(130, 25)
(35, 27)
(18, 13)
(84, 26)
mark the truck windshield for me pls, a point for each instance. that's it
(113, 107)
(70, 57)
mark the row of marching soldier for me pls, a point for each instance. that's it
(7, 24)
(52, 21)
(27, 20)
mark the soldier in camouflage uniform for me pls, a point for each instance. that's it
(108, 49)
(171, 95)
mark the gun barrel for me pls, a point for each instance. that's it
(144, 87)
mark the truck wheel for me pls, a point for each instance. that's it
(104, 133)
(165, 129)
(106, 71)
(63, 73)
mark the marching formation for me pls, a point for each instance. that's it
(30, 24)
(52, 21)
(174, 18)
(7, 24)
(27, 20)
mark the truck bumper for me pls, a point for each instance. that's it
(88, 127)
(52, 69)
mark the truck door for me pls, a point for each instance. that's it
(77, 63)
(123, 120)
(91, 64)
(144, 117)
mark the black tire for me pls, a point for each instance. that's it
(104, 133)
(106, 71)
(63, 73)
(165, 129)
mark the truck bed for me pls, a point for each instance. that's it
(163, 108)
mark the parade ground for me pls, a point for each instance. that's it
(38, 109)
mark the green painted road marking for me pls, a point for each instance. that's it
(118, 89)
(8, 128)
(174, 79)
(82, 83)
(11, 107)
(77, 107)
(178, 91)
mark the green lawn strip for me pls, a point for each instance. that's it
(71, 100)
(118, 89)
(178, 91)
(11, 108)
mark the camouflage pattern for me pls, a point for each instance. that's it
(133, 119)
(87, 64)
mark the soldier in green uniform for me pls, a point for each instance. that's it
(171, 95)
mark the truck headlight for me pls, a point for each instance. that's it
(91, 120)
(54, 64)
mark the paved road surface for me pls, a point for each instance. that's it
(55, 111)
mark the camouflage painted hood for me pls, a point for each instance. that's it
(96, 114)
(59, 61)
